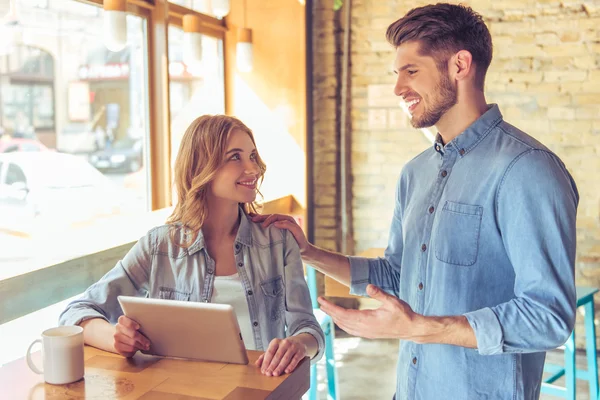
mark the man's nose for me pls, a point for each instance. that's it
(400, 87)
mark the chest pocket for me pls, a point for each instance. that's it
(457, 238)
(172, 294)
(273, 293)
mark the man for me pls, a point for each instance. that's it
(478, 277)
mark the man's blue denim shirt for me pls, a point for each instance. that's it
(483, 227)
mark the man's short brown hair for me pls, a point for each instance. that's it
(444, 29)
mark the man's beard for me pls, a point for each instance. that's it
(444, 99)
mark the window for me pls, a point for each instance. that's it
(202, 6)
(15, 175)
(62, 89)
(195, 89)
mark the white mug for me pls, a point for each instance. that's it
(62, 354)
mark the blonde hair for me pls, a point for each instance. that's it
(201, 154)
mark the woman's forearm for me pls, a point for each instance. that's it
(97, 332)
(308, 340)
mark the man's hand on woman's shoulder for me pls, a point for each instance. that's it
(284, 222)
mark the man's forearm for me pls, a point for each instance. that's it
(445, 330)
(335, 265)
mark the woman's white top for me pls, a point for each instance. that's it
(229, 290)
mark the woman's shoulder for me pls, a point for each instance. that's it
(266, 236)
(161, 232)
(162, 238)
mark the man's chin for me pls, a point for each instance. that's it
(421, 124)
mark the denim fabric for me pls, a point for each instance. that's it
(268, 262)
(483, 227)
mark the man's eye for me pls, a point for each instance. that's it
(412, 72)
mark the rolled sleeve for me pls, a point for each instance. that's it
(380, 272)
(359, 275)
(79, 312)
(488, 331)
(317, 333)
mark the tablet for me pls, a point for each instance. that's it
(184, 329)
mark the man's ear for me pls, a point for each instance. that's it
(461, 65)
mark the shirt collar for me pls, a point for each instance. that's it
(244, 235)
(471, 136)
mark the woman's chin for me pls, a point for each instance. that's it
(248, 199)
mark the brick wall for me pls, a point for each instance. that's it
(326, 122)
(544, 76)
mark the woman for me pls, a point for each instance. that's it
(210, 250)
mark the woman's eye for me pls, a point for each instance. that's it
(253, 156)
(236, 156)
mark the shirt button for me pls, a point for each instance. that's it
(237, 246)
(414, 360)
(240, 264)
(431, 209)
(421, 286)
(210, 271)
(249, 292)
(424, 247)
(255, 323)
(462, 152)
(444, 173)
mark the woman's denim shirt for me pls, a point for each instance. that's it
(268, 262)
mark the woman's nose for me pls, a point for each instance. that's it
(252, 168)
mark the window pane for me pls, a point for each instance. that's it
(194, 89)
(208, 7)
(73, 116)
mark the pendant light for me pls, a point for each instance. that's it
(115, 24)
(220, 8)
(244, 56)
(192, 39)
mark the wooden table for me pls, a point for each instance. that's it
(110, 376)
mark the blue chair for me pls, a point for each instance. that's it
(329, 329)
(585, 298)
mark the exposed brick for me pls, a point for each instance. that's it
(570, 36)
(587, 112)
(581, 99)
(561, 113)
(565, 76)
(564, 49)
(529, 77)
